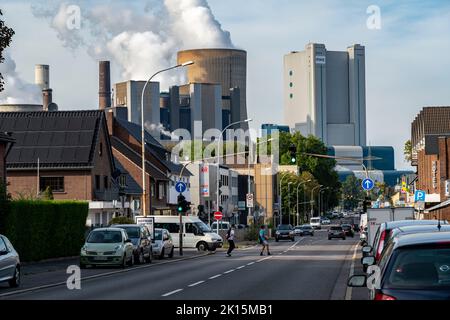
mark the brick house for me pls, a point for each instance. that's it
(68, 151)
(6, 143)
(431, 156)
(162, 173)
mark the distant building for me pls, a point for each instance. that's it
(325, 94)
(267, 128)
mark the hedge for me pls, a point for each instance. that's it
(45, 229)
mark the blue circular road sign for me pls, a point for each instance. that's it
(368, 184)
(180, 187)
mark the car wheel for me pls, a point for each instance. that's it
(15, 281)
(140, 258)
(202, 246)
(171, 253)
(161, 256)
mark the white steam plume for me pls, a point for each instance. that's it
(17, 90)
(138, 38)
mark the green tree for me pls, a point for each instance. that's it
(352, 192)
(407, 151)
(121, 220)
(48, 194)
(6, 35)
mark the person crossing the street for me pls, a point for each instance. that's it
(230, 239)
(263, 240)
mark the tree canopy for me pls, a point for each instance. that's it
(6, 35)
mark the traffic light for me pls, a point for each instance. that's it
(183, 205)
(293, 153)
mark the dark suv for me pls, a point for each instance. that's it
(336, 232)
(285, 231)
(142, 242)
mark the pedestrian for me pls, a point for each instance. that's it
(263, 240)
(230, 239)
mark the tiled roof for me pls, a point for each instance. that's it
(431, 120)
(63, 139)
(5, 137)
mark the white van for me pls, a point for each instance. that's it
(196, 234)
(315, 223)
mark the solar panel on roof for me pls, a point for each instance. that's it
(27, 155)
(48, 124)
(35, 124)
(20, 124)
(68, 155)
(42, 154)
(72, 138)
(31, 139)
(61, 124)
(74, 124)
(88, 123)
(58, 138)
(54, 155)
(45, 139)
(82, 154)
(86, 138)
(13, 155)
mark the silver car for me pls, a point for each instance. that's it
(9, 263)
(162, 244)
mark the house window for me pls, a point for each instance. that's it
(161, 190)
(105, 182)
(152, 189)
(97, 182)
(123, 181)
(56, 184)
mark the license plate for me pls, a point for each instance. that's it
(101, 258)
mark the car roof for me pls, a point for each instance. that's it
(403, 223)
(108, 229)
(423, 228)
(421, 238)
(125, 225)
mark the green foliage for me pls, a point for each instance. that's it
(121, 220)
(251, 234)
(6, 35)
(407, 151)
(48, 194)
(45, 229)
(352, 192)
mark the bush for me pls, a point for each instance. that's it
(121, 220)
(252, 233)
(45, 229)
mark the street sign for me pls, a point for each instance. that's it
(249, 198)
(218, 215)
(180, 187)
(420, 196)
(368, 184)
(149, 222)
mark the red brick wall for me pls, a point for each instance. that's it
(424, 171)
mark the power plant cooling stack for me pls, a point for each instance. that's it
(42, 76)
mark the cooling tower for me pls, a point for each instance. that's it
(42, 76)
(227, 67)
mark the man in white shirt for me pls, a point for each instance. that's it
(230, 238)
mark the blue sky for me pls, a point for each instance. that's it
(407, 61)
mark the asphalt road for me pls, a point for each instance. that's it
(311, 268)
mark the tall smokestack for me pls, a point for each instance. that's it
(104, 93)
(47, 98)
(42, 76)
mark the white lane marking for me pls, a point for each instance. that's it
(214, 277)
(250, 263)
(171, 292)
(348, 292)
(229, 271)
(238, 268)
(196, 284)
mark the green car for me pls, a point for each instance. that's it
(107, 246)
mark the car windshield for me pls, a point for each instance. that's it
(133, 232)
(346, 227)
(203, 227)
(336, 228)
(306, 227)
(105, 237)
(422, 267)
(284, 227)
(158, 235)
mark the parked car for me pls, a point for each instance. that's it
(326, 221)
(306, 229)
(348, 229)
(315, 223)
(162, 244)
(196, 234)
(336, 232)
(141, 240)
(107, 246)
(9, 263)
(412, 267)
(382, 235)
(297, 230)
(285, 231)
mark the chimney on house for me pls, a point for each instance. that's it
(47, 98)
(104, 93)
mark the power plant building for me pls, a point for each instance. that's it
(227, 67)
(325, 95)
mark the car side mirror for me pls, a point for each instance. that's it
(367, 249)
(357, 281)
(368, 261)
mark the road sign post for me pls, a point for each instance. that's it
(249, 198)
(180, 187)
(218, 216)
(368, 184)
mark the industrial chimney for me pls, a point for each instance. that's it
(42, 76)
(104, 93)
(47, 98)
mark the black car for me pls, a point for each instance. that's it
(142, 242)
(285, 232)
(348, 229)
(336, 232)
(411, 267)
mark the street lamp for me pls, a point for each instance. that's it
(289, 201)
(144, 187)
(298, 213)
(312, 199)
(218, 159)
